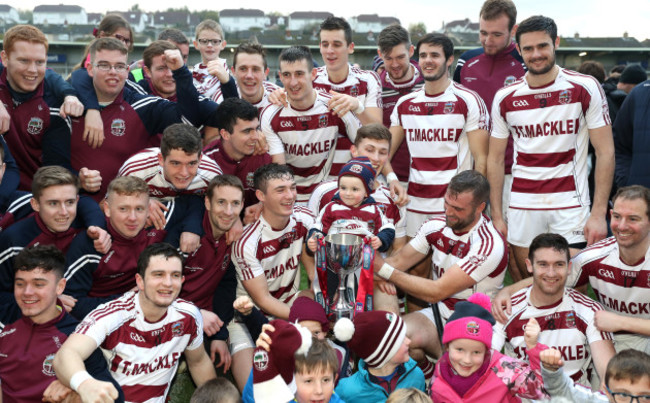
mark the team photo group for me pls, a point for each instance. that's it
(425, 229)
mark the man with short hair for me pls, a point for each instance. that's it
(129, 119)
(55, 200)
(250, 70)
(143, 334)
(565, 316)
(172, 35)
(210, 279)
(38, 132)
(401, 76)
(27, 346)
(304, 134)
(234, 152)
(95, 278)
(468, 255)
(616, 269)
(267, 257)
(494, 65)
(445, 126)
(552, 115)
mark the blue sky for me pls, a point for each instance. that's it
(592, 18)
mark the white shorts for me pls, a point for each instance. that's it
(444, 313)
(240, 338)
(414, 221)
(525, 225)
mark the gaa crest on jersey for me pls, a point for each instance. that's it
(354, 91)
(570, 320)
(35, 126)
(473, 328)
(177, 329)
(565, 97)
(322, 121)
(48, 368)
(118, 127)
(261, 360)
(449, 107)
(509, 80)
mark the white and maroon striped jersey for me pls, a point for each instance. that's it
(567, 326)
(268, 88)
(307, 138)
(143, 356)
(338, 218)
(207, 84)
(395, 215)
(145, 165)
(274, 253)
(550, 128)
(364, 85)
(621, 288)
(435, 130)
(480, 252)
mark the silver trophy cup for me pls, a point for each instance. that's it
(344, 255)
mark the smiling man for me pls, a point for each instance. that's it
(143, 334)
(445, 127)
(565, 316)
(552, 114)
(304, 134)
(267, 258)
(250, 70)
(94, 278)
(27, 346)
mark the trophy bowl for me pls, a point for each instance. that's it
(344, 253)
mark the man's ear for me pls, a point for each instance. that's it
(160, 159)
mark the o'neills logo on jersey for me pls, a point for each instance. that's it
(35, 126)
(322, 121)
(565, 97)
(449, 107)
(118, 127)
(287, 124)
(48, 368)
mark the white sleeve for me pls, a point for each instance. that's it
(477, 264)
(272, 138)
(373, 98)
(500, 128)
(420, 243)
(245, 260)
(477, 114)
(197, 338)
(598, 112)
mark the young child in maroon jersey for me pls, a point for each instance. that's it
(352, 210)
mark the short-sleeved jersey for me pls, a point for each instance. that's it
(273, 253)
(207, 84)
(145, 165)
(395, 215)
(621, 288)
(568, 326)
(267, 87)
(361, 84)
(481, 253)
(550, 126)
(143, 356)
(307, 138)
(243, 169)
(435, 130)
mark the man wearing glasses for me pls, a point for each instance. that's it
(130, 120)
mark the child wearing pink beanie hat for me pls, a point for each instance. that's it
(470, 371)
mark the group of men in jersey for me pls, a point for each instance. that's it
(109, 229)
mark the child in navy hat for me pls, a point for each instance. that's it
(352, 210)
